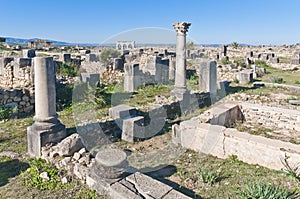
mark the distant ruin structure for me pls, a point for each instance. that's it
(34, 44)
(125, 45)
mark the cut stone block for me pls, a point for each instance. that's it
(245, 77)
(122, 111)
(133, 128)
(148, 186)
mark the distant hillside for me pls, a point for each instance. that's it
(19, 41)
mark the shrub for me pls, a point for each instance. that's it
(260, 190)
(67, 69)
(31, 177)
(63, 96)
(6, 112)
(207, 176)
(236, 80)
(107, 54)
(225, 61)
(275, 79)
(291, 171)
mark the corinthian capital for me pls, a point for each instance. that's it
(181, 26)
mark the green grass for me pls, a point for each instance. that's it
(268, 191)
(146, 94)
(289, 77)
(233, 176)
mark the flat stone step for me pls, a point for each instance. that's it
(294, 102)
(122, 111)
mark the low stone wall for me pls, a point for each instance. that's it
(23, 99)
(271, 117)
(199, 135)
(16, 72)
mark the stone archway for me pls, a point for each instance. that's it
(125, 45)
(34, 44)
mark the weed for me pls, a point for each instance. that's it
(87, 194)
(225, 61)
(31, 177)
(236, 80)
(6, 112)
(291, 171)
(207, 176)
(275, 79)
(66, 69)
(260, 190)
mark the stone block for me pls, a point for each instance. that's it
(132, 79)
(133, 128)
(148, 186)
(173, 194)
(69, 145)
(40, 135)
(124, 190)
(91, 58)
(66, 58)
(122, 111)
(274, 60)
(245, 76)
(208, 76)
(3, 62)
(28, 53)
(93, 79)
(118, 64)
(21, 63)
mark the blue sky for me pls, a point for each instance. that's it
(94, 21)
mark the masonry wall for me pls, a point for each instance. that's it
(21, 98)
(16, 83)
(271, 117)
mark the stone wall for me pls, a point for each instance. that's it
(16, 85)
(201, 135)
(16, 72)
(271, 117)
(21, 98)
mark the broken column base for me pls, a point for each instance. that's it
(180, 93)
(41, 133)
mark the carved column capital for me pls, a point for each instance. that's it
(181, 27)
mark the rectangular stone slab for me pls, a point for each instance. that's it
(147, 185)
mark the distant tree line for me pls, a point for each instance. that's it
(2, 39)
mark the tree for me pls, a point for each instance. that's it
(107, 54)
(190, 45)
(235, 44)
(2, 39)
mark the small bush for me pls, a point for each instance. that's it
(107, 54)
(260, 190)
(63, 96)
(6, 112)
(297, 82)
(275, 79)
(236, 80)
(67, 69)
(207, 176)
(225, 61)
(31, 177)
(291, 171)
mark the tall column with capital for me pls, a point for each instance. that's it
(180, 74)
(46, 127)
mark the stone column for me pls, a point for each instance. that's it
(46, 128)
(180, 73)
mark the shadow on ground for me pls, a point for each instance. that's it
(168, 171)
(11, 168)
